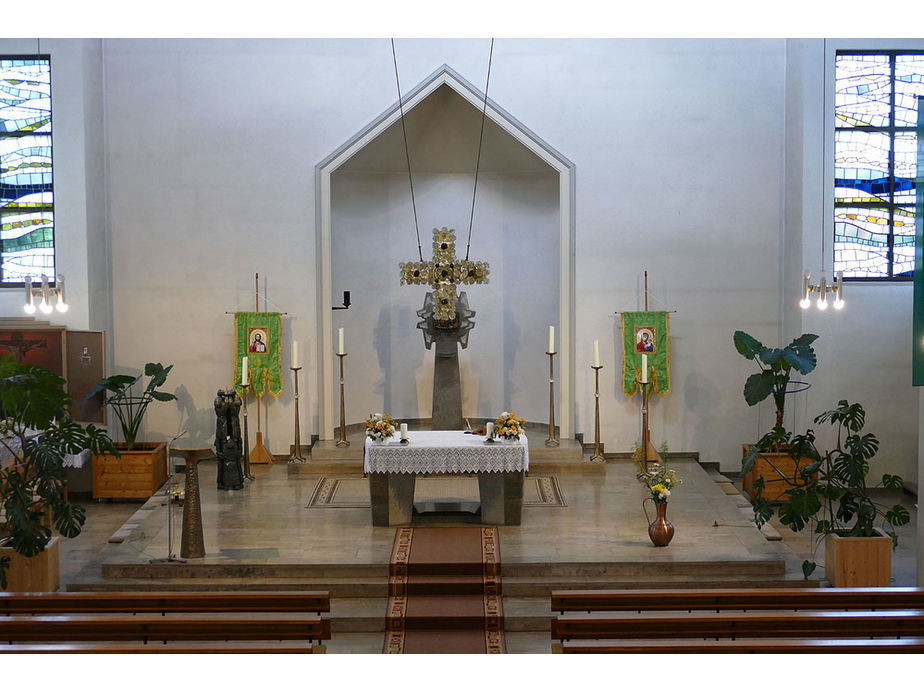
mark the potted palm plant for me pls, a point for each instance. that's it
(37, 433)
(141, 468)
(829, 493)
(767, 457)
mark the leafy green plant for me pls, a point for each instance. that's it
(829, 492)
(38, 433)
(118, 393)
(776, 366)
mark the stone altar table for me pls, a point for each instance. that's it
(393, 468)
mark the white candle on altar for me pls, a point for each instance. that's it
(596, 353)
(489, 429)
(245, 376)
(551, 339)
(294, 354)
(404, 431)
(340, 341)
(644, 378)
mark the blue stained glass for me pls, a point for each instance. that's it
(26, 175)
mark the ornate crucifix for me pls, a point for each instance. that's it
(446, 320)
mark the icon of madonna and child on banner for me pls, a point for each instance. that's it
(646, 334)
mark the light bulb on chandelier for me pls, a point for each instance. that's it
(823, 288)
(46, 293)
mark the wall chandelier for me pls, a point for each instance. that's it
(46, 293)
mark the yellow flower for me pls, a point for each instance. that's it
(658, 488)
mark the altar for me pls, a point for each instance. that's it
(393, 468)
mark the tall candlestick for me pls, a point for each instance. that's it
(551, 339)
(644, 378)
(340, 342)
(245, 375)
(596, 353)
(295, 354)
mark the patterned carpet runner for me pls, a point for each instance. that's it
(445, 592)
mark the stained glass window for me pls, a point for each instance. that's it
(26, 195)
(875, 162)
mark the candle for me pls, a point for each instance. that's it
(489, 429)
(294, 354)
(596, 353)
(404, 431)
(644, 378)
(340, 341)
(551, 339)
(245, 375)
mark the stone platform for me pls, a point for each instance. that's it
(264, 537)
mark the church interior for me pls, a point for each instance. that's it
(197, 181)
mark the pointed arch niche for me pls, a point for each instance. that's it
(523, 226)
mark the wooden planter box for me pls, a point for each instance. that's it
(138, 473)
(858, 561)
(37, 574)
(774, 486)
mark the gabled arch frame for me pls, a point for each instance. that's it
(565, 169)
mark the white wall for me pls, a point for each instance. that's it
(693, 159)
(504, 366)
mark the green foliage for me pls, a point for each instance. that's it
(118, 393)
(829, 492)
(776, 366)
(40, 433)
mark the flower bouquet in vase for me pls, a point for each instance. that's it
(660, 480)
(380, 427)
(509, 427)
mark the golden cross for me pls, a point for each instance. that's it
(443, 272)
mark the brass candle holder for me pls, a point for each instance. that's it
(598, 453)
(343, 442)
(552, 441)
(297, 455)
(648, 453)
(247, 474)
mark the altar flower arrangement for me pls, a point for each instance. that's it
(660, 480)
(380, 426)
(509, 426)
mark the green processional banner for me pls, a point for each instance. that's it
(258, 337)
(917, 323)
(646, 334)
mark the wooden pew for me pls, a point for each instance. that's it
(738, 599)
(233, 647)
(163, 627)
(164, 602)
(745, 646)
(779, 624)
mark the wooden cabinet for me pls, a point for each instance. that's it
(138, 473)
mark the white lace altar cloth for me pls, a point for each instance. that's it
(444, 452)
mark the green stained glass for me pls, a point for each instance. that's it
(26, 175)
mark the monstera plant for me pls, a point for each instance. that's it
(38, 432)
(829, 492)
(776, 366)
